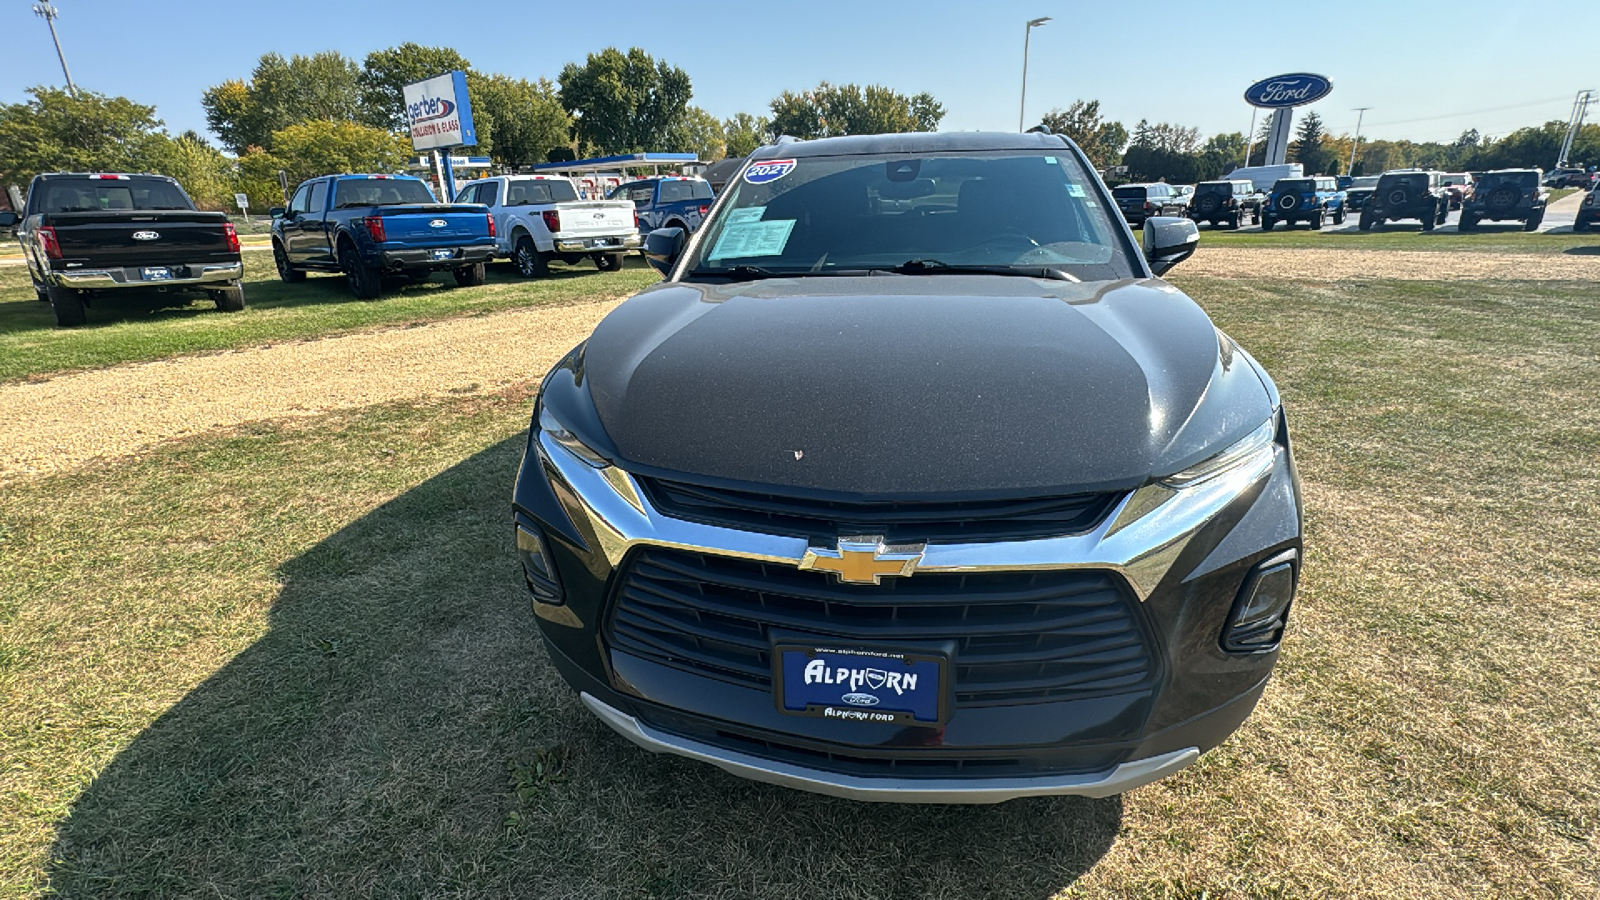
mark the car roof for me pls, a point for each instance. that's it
(915, 142)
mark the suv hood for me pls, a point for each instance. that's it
(911, 385)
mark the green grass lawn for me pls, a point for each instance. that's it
(149, 325)
(1491, 238)
(296, 660)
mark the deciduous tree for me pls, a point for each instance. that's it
(385, 73)
(624, 102)
(308, 149)
(56, 131)
(700, 133)
(524, 119)
(744, 132)
(280, 93)
(1100, 140)
(829, 110)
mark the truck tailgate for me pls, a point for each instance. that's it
(581, 217)
(141, 237)
(439, 224)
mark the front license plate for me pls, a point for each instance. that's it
(861, 685)
(156, 273)
(443, 254)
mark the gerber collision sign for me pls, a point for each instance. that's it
(440, 113)
(1284, 91)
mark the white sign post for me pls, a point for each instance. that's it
(244, 207)
(440, 116)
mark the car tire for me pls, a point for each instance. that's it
(1580, 225)
(1444, 213)
(1267, 223)
(1468, 222)
(1427, 221)
(1338, 216)
(473, 275)
(286, 272)
(1365, 222)
(230, 298)
(68, 306)
(1535, 220)
(1233, 222)
(1316, 221)
(608, 262)
(529, 261)
(366, 283)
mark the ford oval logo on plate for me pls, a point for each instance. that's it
(860, 699)
(1284, 91)
(146, 235)
(438, 223)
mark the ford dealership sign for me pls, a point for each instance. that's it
(1287, 90)
(439, 113)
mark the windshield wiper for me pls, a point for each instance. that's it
(939, 267)
(742, 273)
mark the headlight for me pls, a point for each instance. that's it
(1252, 448)
(552, 426)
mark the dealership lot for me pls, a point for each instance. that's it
(264, 635)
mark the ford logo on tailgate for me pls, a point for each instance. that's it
(146, 235)
(1287, 90)
(438, 223)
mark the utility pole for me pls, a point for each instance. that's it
(48, 13)
(1027, 34)
(1580, 108)
(1361, 112)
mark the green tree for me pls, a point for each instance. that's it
(258, 178)
(308, 149)
(1310, 146)
(56, 131)
(1100, 140)
(624, 102)
(744, 133)
(524, 118)
(829, 110)
(1221, 154)
(282, 92)
(700, 133)
(385, 73)
(205, 173)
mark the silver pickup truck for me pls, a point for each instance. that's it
(539, 218)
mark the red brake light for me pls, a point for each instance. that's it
(490, 217)
(1147, 204)
(636, 220)
(375, 228)
(110, 177)
(552, 220)
(232, 236)
(704, 207)
(47, 239)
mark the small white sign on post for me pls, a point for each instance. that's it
(243, 201)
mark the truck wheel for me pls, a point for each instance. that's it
(530, 262)
(1444, 213)
(1266, 223)
(285, 271)
(608, 262)
(1580, 225)
(1338, 216)
(1468, 222)
(1365, 222)
(230, 298)
(1537, 219)
(1427, 220)
(473, 275)
(1315, 221)
(365, 281)
(68, 305)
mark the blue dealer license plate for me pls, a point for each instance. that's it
(861, 685)
(155, 273)
(443, 254)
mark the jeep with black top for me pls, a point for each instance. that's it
(1225, 203)
(1417, 194)
(1505, 195)
(1309, 200)
(86, 234)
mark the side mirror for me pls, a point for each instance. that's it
(1169, 240)
(9, 219)
(277, 212)
(663, 246)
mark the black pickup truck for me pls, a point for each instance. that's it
(85, 235)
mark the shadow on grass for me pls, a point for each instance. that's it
(1584, 251)
(398, 731)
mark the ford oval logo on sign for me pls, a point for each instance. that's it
(1284, 91)
(146, 235)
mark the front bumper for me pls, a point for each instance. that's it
(1181, 557)
(132, 276)
(610, 243)
(422, 259)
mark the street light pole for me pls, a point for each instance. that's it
(1361, 112)
(1027, 34)
(48, 13)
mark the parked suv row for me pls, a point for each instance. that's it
(1310, 200)
(1226, 203)
(1420, 195)
(1507, 194)
(1144, 201)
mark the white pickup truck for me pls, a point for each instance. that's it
(539, 218)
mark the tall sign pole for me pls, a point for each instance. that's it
(48, 13)
(1361, 112)
(1027, 35)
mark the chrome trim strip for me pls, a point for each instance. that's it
(87, 278)
(1120, 778)
(1140, 538)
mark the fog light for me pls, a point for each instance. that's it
(537, 567)
(1261, 612)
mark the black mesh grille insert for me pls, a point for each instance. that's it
(897, 520)
(1019, 635)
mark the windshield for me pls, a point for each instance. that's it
(1214, 187)
(95, 195)
(381, 192)
(1365, 181)
(528, 193)
(1509, 179)
(1295, 185)
(1001, 210)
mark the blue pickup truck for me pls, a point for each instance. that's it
(378, 229)
(666, 202)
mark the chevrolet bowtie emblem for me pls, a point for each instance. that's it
(864, 559)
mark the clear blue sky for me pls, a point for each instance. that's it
(969, 55)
